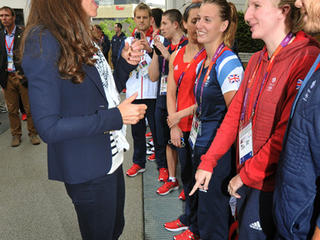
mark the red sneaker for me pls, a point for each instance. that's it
(167, 187)
(163, 175)
(182, 196)
(152, 157)
(175, 226)
(24, 117)
(134, 170)
(149, 135)
(186, 235)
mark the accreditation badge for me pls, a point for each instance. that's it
(195, 129)
(10, 63)
(245, 143)
(163, 85)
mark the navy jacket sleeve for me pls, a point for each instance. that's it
(121, 73)
(46, 100)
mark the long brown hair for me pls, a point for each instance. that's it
(69, 24)
(228, 12)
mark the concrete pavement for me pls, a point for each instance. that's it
(32, 207)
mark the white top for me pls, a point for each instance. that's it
(118, 139)
(139, 80)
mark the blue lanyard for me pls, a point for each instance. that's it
(304, 83)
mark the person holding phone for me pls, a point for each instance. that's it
(140, 82)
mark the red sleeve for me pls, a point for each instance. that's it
(264, 163)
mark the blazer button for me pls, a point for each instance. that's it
(106, 132)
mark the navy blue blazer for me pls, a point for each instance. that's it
(73, 119)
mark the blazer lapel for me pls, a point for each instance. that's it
(94, 76)
(17, 38)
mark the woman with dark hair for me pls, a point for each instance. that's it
(258, 115)
(76, 110)
(217, 80)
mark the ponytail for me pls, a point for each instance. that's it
(230, 33)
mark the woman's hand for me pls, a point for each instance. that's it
(173, 119)
(202, 181)
(131, 113)
(234, 184)
(132, 54)
(176, 135)
(164, 51)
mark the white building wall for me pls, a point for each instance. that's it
(14, 3)
(240, 4)
(178, 4)
(22, 4)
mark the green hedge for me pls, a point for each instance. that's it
(107, 26)
(243, 36)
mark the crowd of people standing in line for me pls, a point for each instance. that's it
(247, 140)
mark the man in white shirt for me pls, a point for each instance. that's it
(140, 82)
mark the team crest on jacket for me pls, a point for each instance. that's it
(272, 84)
(234, 78)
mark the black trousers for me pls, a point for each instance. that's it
(138, 134)
(99, 204)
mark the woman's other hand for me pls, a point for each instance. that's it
(176, 135)
(131, 113)
(173, 119)
(234, 184)
(202, 181)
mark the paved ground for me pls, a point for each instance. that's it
(32, 207)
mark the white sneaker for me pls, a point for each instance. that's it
(150, 151)
(150, 144)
